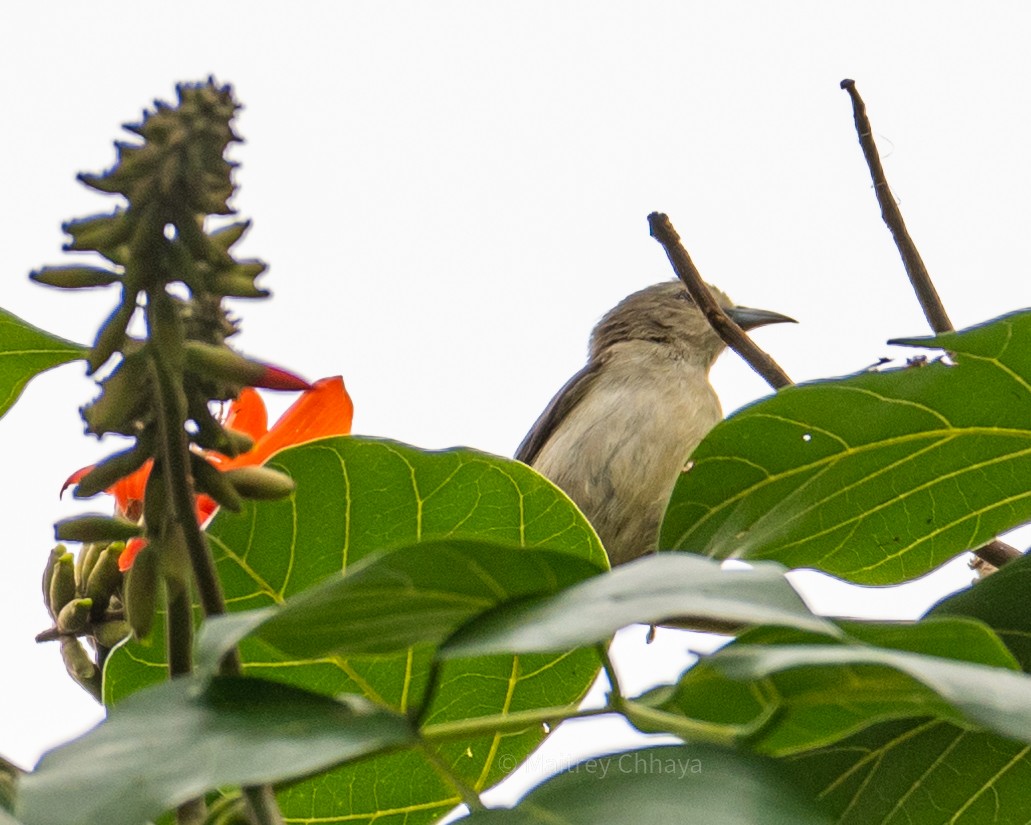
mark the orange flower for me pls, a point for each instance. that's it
(322, 411)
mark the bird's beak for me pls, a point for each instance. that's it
(748, 318)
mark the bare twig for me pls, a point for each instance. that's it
(933, 308)
(662, 230)
(996, 552)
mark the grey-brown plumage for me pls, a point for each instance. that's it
(618, 434)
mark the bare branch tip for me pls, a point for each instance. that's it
(847, 83)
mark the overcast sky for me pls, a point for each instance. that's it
(450, 194)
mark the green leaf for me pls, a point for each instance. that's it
(654, 589)
(432, 588)
(877, 478)
(355, 499)
(1000, 601)
(25, 352)
(919, 772)
(178, 740)
(828, 689)
(689, 783)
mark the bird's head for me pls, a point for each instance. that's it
(665, 314)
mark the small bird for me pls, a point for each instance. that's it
(619, 433)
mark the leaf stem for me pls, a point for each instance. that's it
(470, 796)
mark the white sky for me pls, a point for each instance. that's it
(450, 194)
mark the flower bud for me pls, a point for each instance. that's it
(208, 479)
(78, 662)
(111, 337)
(48, 571)
(100, 233)
(261, 483)
(61, 587)
(229, 235)
(95, 528)
(220, 362)
(108, 634)
(113, 468)
(104, 579)
(84, 563)
(75, 277)
(141, 592)
(74, 616)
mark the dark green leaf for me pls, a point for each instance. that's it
(26, 351)
(650, 590)
(877, 478)
(178, 740)
(919, 772)
(1001, 601)
(357, 498)
(689, 783)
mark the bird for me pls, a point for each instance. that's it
(619, 433)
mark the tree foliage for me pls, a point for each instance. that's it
(384, 632)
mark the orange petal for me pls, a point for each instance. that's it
(322, 411)
(129, 490)
(247, 414)
(132, 549)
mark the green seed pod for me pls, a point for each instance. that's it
(108, 634)
(141, 592)
(48, 573)
(84, 562)
(260, 483)
(74, 616)
(95, 527)
(105, 578)
(208, 479)
(62, 584)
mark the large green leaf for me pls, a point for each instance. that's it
(802, 690)
(178, 740)
(689, 783)
(919, 772)
(432, 588)
(1001, 601)
(876, 478)
(359, 497)
(25, 352)
(670, 586)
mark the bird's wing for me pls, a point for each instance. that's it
(561, 405)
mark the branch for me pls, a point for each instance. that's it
(996, 552)
(662, 230)
(933, 308)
